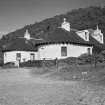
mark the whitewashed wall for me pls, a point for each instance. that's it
(11, 56)
(54, 51)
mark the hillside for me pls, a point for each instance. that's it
(81, 18)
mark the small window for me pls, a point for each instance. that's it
(89, 51)
(18, 56)
(101, 38)
(32, 56)
(86, 36)
(63, 51)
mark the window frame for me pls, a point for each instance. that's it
(63, 51)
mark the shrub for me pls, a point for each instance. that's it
(85, 59)
(1, 62)
(49, 63)
(36, 63)
(70, 60)
(9, 65)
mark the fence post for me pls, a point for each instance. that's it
(56, 64)
(84, 75)
(43, 63)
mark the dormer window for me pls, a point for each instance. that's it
(84, 34)
(98, 35)
(65, 25)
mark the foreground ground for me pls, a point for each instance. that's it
(27, 86)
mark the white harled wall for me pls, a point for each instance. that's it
(54, 51)
(11, 56)
(49, 52)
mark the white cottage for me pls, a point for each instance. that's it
(19, 50)
(62, 43)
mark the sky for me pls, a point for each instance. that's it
(15, 14)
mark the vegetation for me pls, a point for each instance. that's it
(81, 18)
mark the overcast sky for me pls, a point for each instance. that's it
(15, 14)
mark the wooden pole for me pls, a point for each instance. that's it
(56, 64)
(44, 63)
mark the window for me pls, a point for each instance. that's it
(88, 51)
(32, 56)
(18, 56)
(63, 51)
(86, 35)
(101, 38)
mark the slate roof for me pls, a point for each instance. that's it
(62, 36)
(58, 36)
(19, 44)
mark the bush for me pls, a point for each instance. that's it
(70, 60)
(9, 65)
(85, 59)
(49, 63)
(99, 58)
(1, 63)
(95, 58)
(36, 63)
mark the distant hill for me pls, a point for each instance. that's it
(82, 18)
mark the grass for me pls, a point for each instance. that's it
(49, 86)
(76, 72)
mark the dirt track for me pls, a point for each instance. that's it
(18, 87)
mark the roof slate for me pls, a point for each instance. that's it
(19, 44)
(62, 36)
(58, 36)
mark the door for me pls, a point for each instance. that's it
(32, 56)
(18, 57)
